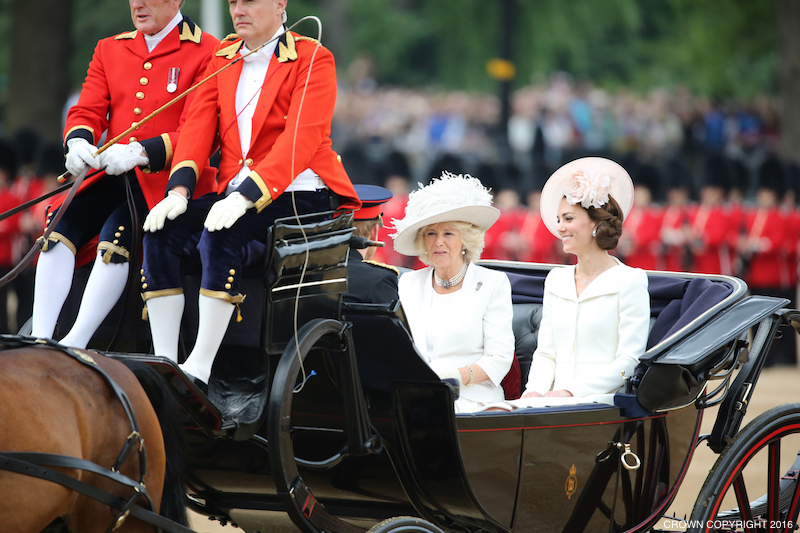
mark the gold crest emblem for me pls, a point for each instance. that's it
(572, 482)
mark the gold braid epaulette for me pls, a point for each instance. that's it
(382, 265)
(304, 38)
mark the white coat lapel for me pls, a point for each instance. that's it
(606, 283)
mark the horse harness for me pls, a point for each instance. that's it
(40, 465)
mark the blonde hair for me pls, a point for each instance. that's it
(471, 239)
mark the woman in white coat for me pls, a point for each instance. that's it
(595, 313)
(459, 313)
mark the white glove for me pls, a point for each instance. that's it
(452, 373)
(171, 207)
(81, 157)
(227, 211)
(120, 158)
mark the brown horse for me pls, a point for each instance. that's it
(52, 403)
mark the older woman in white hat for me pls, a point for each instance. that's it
(596, 313)
(459, 313)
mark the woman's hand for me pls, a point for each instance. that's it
(531, 394)
(561, 393)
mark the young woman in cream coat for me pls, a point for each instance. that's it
(596, 313)
(460, 313)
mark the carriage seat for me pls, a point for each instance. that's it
(674, 303)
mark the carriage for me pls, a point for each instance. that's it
(325, 419)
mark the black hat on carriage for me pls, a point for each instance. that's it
(50, 160)
(9, 163)
(717, 172)
(772, 175)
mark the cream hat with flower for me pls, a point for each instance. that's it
(587, 181)
(450, 198)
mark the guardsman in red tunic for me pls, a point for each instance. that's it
(675, 217)
(640, 244)
(272, 115)
(10, 227)
(763, 248)
(710, 224)
(130, 76)
(541, 246)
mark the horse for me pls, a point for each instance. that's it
(55, 403)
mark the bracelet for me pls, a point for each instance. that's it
(471, 377)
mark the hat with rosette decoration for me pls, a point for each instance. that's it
(588, 181)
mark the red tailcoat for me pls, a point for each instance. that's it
(291, 125)
(542, 246)
(125, 83)
(674, 223)
(766, 267)
(790, 244)
(711, 229)
(642, 234)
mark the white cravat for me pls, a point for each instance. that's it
(153, 40)
(251, 80)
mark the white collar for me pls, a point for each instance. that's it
(154, 40)
(265, 54)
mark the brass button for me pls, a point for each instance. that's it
(115, 241)
(248, 161)
(143, 80)
(274, 189)
(122, 228)
(144, 285)
(230, 279)
(141, 271)
(143, 279)
(240, 162)
(140, 95)
(148, 65)
(134, 123)
(338, 158)
(137, 111)
(227, 285)
(118, 234)
(285, 117)
(133, 139)
(232, 272)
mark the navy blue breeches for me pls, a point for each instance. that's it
(101, 208)
(221, 252)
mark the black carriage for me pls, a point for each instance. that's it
(325, 418)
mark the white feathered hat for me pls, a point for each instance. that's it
(587, 181)
(451, 198)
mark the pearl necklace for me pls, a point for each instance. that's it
(452, 282)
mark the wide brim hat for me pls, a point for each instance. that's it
(451, 198)
(557, 186)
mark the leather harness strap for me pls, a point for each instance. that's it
(16, 462)
(31, 464)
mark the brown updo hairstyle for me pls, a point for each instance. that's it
(609, 224)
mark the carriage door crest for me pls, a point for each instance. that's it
(572, 482)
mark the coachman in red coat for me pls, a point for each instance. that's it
(131, 75)
(271, 114)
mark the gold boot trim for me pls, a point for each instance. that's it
(222, 295)
(113, 249)
(56, 238)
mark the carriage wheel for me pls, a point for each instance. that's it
(405, 524)
(300, 504)
(762, 459)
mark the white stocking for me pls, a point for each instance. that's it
(54, 273)
(106, 284)
(213, 319)
(164, 314)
